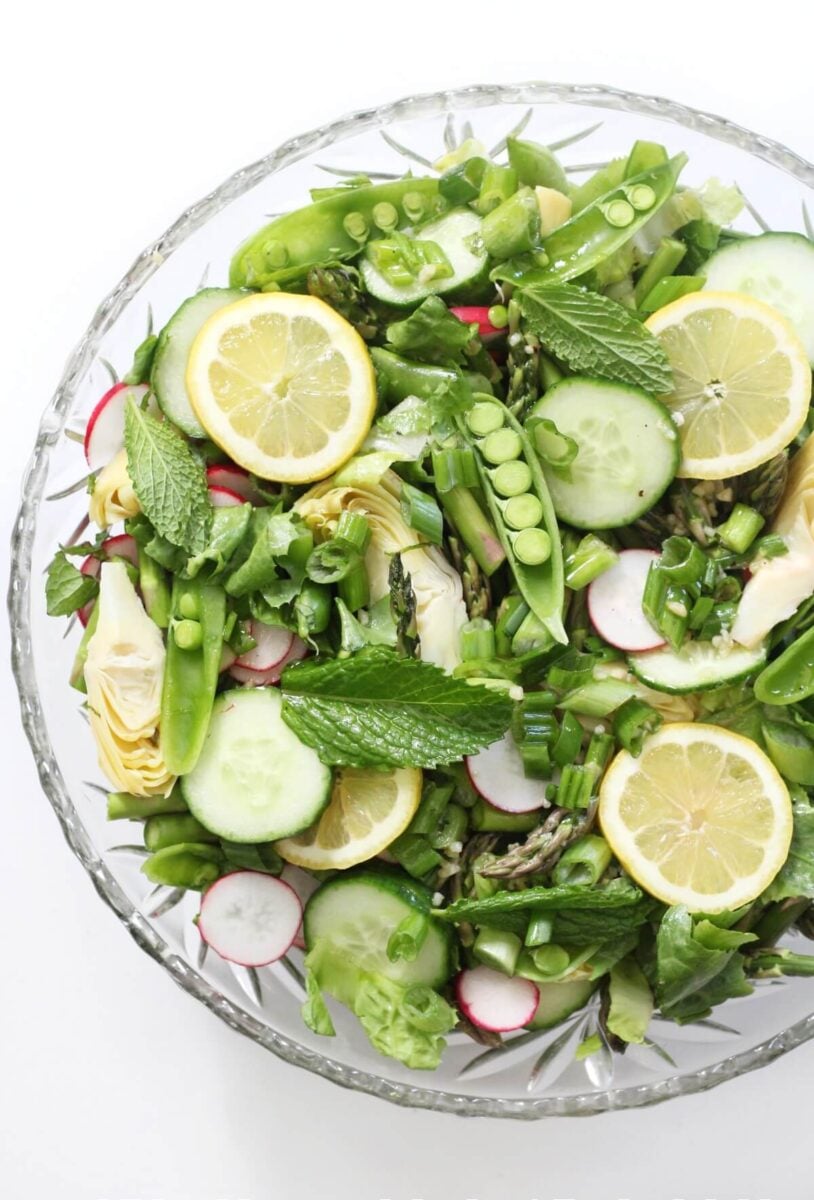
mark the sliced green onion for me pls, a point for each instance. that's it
(354, 529)
(699, 612)
(633, 722)
(682, 561)
(452, 828)
(454, 468)
(668, 255)
(770, 546)
(510, 615)
(414, 852)
(571, 671)
(406, 940)
(477, 639)
(667, 606)
(597, 697)
(569, 741)
(497, 184)
(671, 288)
(421, 512)
(497, 948)
(741, 528)
(554, 448)
(540, 929)
(534, 728)
(583, 863)
(588, 561)
(331, 561)
(486, 819)
(354, 587)
(434, 800)
(720, 620)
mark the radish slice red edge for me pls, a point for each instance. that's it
(273, 643)
(223, 497)
(470, 313)
(234, 479)
(250, 918)
(304, 885)
(120, 546)
(615, 603)
(104, 433)
(497, 775)
(298, 650)
(495, 1001)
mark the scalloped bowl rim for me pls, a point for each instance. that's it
(141, 930)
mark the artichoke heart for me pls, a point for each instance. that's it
(113, 498)
(440, 608)
(124, 673)
(778, 586)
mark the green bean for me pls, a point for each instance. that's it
(790, 677)
(537, 568)
(169, 829)
(285, 250)
(191, 675)
(123, 807)
(397, 378)
(191, 865)
(536, 165)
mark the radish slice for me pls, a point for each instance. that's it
(104, 434)
(304, 885)
(223, 497)
(250, 918)
(497, 775)
(120, 546)
(494, 1001)
(298, 650)
(468, 313)
(234, 479)
(273, 644)
(615, 603)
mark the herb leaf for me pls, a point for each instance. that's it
(796, 876)
(592, 333)
(697, 965)
(167, 478)
(379, 710)
(66, 588)
(431, 334)
(594, 913)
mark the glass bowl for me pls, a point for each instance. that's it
(536, 1075)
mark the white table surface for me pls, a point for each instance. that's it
(114, 1083)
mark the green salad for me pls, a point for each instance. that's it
(448, 598)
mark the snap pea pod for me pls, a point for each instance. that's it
(333, 229)
(599, 230)
(790, 751)
(121, 806)
(194, 646)
(525, 519)
(168, 829)
(190, 865)
(397, 377)
(790, 677)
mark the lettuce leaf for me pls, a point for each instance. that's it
(697, 965)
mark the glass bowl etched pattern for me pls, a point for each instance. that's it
(535, 1074)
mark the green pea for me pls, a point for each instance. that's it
(189, 606)
(523, 512)
(414, 205)
(619, 213)
(188, 634)
(501, 446)
(355, 226)
(532, 547)
(512, 478)
(498, 316)
(641, 196)
(385, 216)
(484, 418)
(275, 254)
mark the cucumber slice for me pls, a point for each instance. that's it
(168, 377)
(628, 451)
(696, 667)
(777, 268)
(357, 914)
(457, 234)
(559, 1000)
(255, 781)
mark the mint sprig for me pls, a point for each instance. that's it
(593, 334)
(379, 710)
(66, 588)
(168, 480)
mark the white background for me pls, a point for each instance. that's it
(114, 1083)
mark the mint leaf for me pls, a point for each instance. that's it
(616, 907)
(66, 588)
(379, 710)
(596, 335)
(796, 876)
(168, 479)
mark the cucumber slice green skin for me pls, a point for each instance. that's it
(629, 451)
(356, 914)
(777, 268)
(560, 1000)
(687, 670)
(452, 233)
(168, 376)
(255, 781)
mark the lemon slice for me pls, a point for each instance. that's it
(742, 382)
(701, 818)
(367, 811)
(283, 384)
